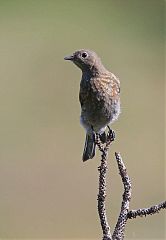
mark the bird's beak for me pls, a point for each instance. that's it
(71, 57)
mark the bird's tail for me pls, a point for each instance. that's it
(89, 148)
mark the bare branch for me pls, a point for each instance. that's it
(125, 214)
(102, 190)
(121, 223)
(146, 211)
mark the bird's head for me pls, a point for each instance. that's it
(84, 59)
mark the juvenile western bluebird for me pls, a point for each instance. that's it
(99, 97)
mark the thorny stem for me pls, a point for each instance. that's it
(102, 183)
(125, 214)
(102, 191)
(146, 211)
(122, 219)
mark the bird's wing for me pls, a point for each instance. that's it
(108, 83)
(115, 85)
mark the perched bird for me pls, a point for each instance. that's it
(99, 97)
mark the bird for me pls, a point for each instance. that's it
(99, 98)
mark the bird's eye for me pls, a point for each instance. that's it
(84, 55)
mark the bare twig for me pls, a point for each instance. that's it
(122, 219)
(146, 211)
(102, 190)
(125, 214)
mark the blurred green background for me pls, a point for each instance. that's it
(45, 189)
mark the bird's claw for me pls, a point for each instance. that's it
(111, 134)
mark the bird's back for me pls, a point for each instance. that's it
(99, 98)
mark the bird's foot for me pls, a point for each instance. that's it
(110, 135)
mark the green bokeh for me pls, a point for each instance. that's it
(46, 190)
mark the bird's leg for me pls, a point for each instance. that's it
(102, 136)
(111, 134)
